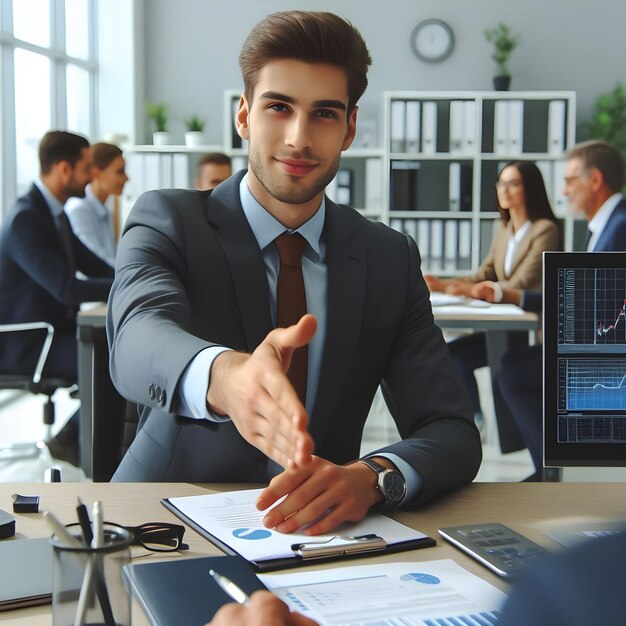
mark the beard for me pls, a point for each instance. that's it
(75, 189)
(291, 189)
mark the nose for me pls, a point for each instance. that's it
(298, 135)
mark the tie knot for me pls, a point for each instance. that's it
(290, 248)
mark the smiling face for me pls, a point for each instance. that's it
(298, 125)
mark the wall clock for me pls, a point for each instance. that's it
(432, 41)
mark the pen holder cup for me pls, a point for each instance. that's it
(87, 587)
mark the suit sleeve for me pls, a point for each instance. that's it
(426, 398)
(528, 274)
(33, 250)
(487, 269)
(148, 321)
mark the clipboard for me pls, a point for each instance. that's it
(320, 550)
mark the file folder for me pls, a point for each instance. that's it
(413, 126)
(398, 126)
(212, 517)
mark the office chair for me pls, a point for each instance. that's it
(35, 384)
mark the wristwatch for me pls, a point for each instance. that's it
(391, 483)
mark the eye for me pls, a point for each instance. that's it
(279, 107)
(327, 114)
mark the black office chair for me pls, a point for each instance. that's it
(34, 383)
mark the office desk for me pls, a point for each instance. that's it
(497, 327)
(101, 406)
(530, 508)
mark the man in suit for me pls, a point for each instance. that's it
(192, 321)
(213, 168)
(39, 257)
(594, 180)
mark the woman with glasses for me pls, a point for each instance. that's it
(527, 228)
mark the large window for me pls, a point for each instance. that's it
(48, 68)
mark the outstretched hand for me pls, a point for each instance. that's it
(254, 391)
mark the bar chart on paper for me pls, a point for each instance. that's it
(434, 593)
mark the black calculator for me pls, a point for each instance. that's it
(496, 546)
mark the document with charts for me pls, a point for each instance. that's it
(231, 521)
(430, 593)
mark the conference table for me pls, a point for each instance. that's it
(532, 509)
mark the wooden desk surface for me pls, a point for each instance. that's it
(530, 508)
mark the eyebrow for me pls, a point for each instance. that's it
(318, 104)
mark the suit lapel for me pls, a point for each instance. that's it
(601, 244)
(247, 269)
(346, 263)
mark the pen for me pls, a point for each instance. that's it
(235, 592)
(60, 531)
(85, 522)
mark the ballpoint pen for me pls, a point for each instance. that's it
(235, 592)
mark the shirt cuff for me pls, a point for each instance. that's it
(498, 294)
(194, 384)
(413, 479)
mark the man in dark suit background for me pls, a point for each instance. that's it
(194, 303)
(39, 258)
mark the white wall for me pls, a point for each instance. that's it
(192, 46)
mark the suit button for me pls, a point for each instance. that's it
(163, 398)
(158, 395)
(151, 392)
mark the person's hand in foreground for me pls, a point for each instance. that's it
(254, 391)
(320, 496)
(265, 609)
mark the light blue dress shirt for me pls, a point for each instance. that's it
(92, 224)
(265, 227)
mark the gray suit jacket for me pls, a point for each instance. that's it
(190, 275)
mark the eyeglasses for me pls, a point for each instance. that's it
(154, 536)
(505, 184)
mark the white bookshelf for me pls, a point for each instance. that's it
(442, 155)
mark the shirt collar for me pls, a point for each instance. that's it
(56, 208)
(521, 231)
(599, 220)
(266, 227)
(91, 197)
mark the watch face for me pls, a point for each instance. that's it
(394, 487)
(432, 41)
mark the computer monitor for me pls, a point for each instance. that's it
(584, 339)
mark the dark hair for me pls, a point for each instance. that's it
(537, 203)
(600, 155)
(103, 154)
(216, 158)
(309, 36)
(59, 145)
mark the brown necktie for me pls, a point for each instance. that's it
(291, 302)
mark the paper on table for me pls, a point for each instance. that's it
(390, 594)
(444, 299)
(474, 307)
(233, 519)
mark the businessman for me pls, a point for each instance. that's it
(213, 168)
(39, 257)
(249, 355)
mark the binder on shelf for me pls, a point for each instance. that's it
(180, 171)
(412, 126)
(409, 227)
(454, 186)
(556, 127)
(398, 126)
(403, 183)
(214, 517)
(501, 127)
(396, 223)
(165, 174)
(466, 186)
(559, 201)
(515, 131)
(152, 172)
(450, 245)
(465, 245)
(457, 127)
(344, 190)
(429, 127)
(436, 244)
(423, 241)
(469, 128)
(373, 184)
(135, 170)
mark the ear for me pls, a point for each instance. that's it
(64, 170)
(596, 179)
(241, 118)
(350, 130)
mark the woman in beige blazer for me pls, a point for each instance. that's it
(527, 228)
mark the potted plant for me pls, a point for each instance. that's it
(608, 119)
(157, 113)
(194, 136)
(504, 43)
